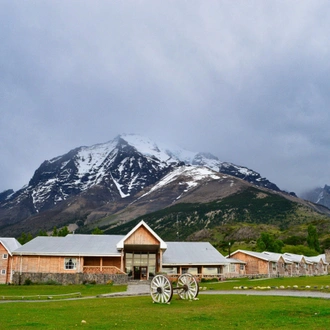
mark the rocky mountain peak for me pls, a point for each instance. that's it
(120, 168)
(318, 195)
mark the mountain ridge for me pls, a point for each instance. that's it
(318, 195)
(89, 184)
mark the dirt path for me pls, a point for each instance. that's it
(283, 293)
(144, 290)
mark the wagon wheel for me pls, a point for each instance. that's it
(161, 289)
(188, 287)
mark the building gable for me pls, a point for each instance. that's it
(140, 237)
(142, 234)
(9, 244)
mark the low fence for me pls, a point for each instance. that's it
(102, 270)
(63, 278)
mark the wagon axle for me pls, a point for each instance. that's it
(161, 288)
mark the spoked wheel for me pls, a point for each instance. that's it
(161, 289)
(188, 287)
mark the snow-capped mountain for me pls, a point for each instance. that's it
(111, 172)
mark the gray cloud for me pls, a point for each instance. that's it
(247, 81)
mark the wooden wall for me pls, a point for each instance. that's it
(54, 264)
(253, 265)
(40, 264)
(4, 265)
(141, 236)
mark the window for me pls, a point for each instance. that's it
(170, 270)
(70, 263)
(3, 272)
(241, 267)
(5, 256)
(210, 271)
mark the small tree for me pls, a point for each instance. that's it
(55, 231)
(97, 231)
(267, 242)
(42, 233)
(24, 238)
(63, 231)
(313, 238)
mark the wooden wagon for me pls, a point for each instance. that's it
(161, 288)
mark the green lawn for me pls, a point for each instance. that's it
(319, 283)
(31, 292)
(209, 312)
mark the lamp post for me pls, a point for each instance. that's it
(229, 249)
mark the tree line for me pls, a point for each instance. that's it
(62, 232)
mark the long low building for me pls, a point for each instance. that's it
(102, 258)
(139, 255)
(7, 246)
(272, 264)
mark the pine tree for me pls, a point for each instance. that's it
(267, 242)
(97, 231)
(313, 238)
(63, 231)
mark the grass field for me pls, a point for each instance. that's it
(314, 282)
(44, 292)
(209, 312)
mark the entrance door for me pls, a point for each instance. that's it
(140, 273)
(137, 273)
(144, 274)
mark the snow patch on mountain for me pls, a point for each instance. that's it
(191, 176)
(124, 166)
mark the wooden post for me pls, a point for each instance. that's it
(122, 260)
(161, 261)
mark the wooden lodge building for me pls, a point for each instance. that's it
(270, 264)
(102, 258)
(139, 255)
(7, 246)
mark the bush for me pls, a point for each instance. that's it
(28, 282)
(52, 282)
(206, 280)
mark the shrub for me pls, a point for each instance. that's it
(205, 280)
(28, 281)
(52, 282)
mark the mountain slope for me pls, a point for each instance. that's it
(319, 195)
(235, 202)
(117, 181)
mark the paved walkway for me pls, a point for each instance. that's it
(284, 293)
(142, 288)
(134, 288)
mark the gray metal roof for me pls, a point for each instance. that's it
(177, 253)
(235, 261)
(267, 256)
(10, 243)
(276, 256)
(294, 257)
(192, 253)
(72, 245)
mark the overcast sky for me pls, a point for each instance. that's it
(248, 81)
